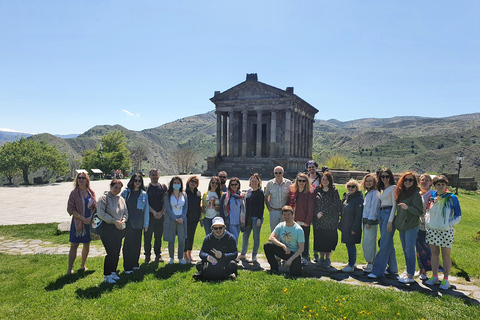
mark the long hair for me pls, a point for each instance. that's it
(391, 181)
(374, 180)
(170, 185)
(130, 184)
(234, 179)
(308, 184)
(401, 192)
(187, 185)
(75, 182)
(218, 190)
(330, 180)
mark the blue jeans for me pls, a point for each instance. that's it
(352, 254)
(207, 224)
(386, 250)
(409, 238)
(235, 230)
(256, 238)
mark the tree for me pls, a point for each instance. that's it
(8, 166)
(27, 155)
(337, 161)
(183, 158)
(139, 152)
(112, 153)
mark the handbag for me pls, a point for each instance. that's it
(97, 223)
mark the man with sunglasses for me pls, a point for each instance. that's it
(276, 196)
(218, 254)
(223, 180)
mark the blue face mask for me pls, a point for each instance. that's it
(176, 186)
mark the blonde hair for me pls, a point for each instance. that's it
(308, 184)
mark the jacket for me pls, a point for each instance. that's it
(111, 208)
(351, 219)
(169, 225)
(142, 204)
(444, 212)
(409, 218)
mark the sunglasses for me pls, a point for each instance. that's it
(137, 180)
(217, 228)
(194, 181)
(351, 187)
(278, 172)
(233, 184)
(222, 177)
(408, 179)
(303, 181)
(81, 178)
(385, 177)
(214, 182)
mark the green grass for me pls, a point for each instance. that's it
(34, 287)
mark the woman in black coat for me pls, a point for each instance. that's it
(351, 222)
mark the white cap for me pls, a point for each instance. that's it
(218, 221)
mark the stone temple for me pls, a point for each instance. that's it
(261, 126)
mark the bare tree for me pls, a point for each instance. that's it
(184, 159)
(138, 154)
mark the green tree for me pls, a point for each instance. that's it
(8, 166)
(28, 155)
(338, 161)
(112, 153)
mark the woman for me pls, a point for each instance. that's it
(176, 208)
(444, 213)
(407, 220)
(232, 208)
(254, 206)
(211, 203)
(112, 210)
(371, 206)
(325, 220)
(194, 211)
(351, 221)
(136, 199)
(302, 200)
(386, 251)
(81, 205)
(423, 249)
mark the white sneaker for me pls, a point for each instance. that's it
(422, 277)
(406, 280)
(108, 279)
(444, 285)
(432, 281)
(368, 268)
(348, 269)
(182, 261)
(114, 276)
(372, 276)
(171, 261)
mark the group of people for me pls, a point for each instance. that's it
(424, 218)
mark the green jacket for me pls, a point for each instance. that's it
(409, 218)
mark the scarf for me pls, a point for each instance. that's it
(229, 195)
(76, 203)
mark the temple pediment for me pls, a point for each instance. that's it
(251, 90)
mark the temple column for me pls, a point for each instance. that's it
(244, 133)
(304, 136)
(231, 126)
(296, 129)
(273, 134)
(288, 140)
(219, 133)
(310, 137)
(259, 133)
(225, 135)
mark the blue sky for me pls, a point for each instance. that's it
(66, 66)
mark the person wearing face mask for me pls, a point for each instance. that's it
(176, 207)
(218, 254)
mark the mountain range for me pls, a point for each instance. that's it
(402, 143)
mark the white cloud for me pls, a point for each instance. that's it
(131, 114)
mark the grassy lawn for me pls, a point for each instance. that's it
(34, 286)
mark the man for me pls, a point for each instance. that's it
(155, 192)
(218, 254)
(286, 242)
(223, 180)
(313, 175)
(276, 196)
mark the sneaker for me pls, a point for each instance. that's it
(242, 257)
(171, 261)
(304, 261)
(406, 280)
(320, 262)
(401, 276)
(348, 269)
(182, 261)
(128, 271)
(422, 277)
(233, 276)
(417, 274)
(327, 263)
(109, 279)
(114, 276)
(432, 281)
(254, 258)
(444, 285)
(372, 276)
(368, 268)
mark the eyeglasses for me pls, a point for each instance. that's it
(137, 180)
(351, 187)
(303, 181)
(278, 172)
(222, 177)
(408, 179)
(82, 178)
(217, 228)
(385, 177)
(311, 167)
(194, 181)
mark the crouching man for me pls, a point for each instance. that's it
(218, 254)
(287, 242)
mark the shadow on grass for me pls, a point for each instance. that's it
(164, 272)
(462, 272)
(67, 279)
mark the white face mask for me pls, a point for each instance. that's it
(177, 186)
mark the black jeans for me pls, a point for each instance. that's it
(155, 227)
(220, 271)
(112, 241)
(131, 247)
(306, 232)
(272, 250)
(191, 228)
